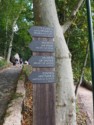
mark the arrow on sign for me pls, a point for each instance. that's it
(42, 77)
(41, 31)
(42, 61)
(42, 46)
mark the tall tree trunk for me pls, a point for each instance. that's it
(10, 47)
(45, 14)
(12, 36)
(6, 42)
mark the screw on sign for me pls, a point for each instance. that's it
(43, 75)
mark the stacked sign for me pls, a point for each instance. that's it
(43, 46)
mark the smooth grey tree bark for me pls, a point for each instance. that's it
(46, 15)
(12, 36)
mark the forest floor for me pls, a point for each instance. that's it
(85, 107)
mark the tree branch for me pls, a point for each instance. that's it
(73, 14)
(15, 21)
(82, 72)
(12, 36)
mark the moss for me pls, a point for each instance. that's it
(27, 69)
(21, 77)
(17, 95)
(8, 114)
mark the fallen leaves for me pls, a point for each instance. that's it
(28, 106)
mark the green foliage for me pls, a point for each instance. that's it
(64, 9)
(77, 39)
(27, 69)
(77, 107)
(9, 11)
(87, 75)
(17, 95)
(2, 63)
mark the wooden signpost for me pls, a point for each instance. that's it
(43, 75)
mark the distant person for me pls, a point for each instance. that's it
(21, 61)
(17, 58)
(12, 59)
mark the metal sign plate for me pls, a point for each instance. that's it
(42, 77)
(42, 61)
(42, 46)
(41, 31)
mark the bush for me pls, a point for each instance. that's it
(87, 74)
(3, 63)
(27, 69)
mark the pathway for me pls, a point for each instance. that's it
(8, 79)
(87, 101)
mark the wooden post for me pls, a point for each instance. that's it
(43, 104)
(43, 93)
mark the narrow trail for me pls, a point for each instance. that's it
(8, 78)
(87, 101)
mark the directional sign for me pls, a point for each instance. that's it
(42, 46)
(42, 61)
(41, 31)
(42, 77)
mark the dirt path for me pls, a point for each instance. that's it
(8, 78)
(87, 101)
